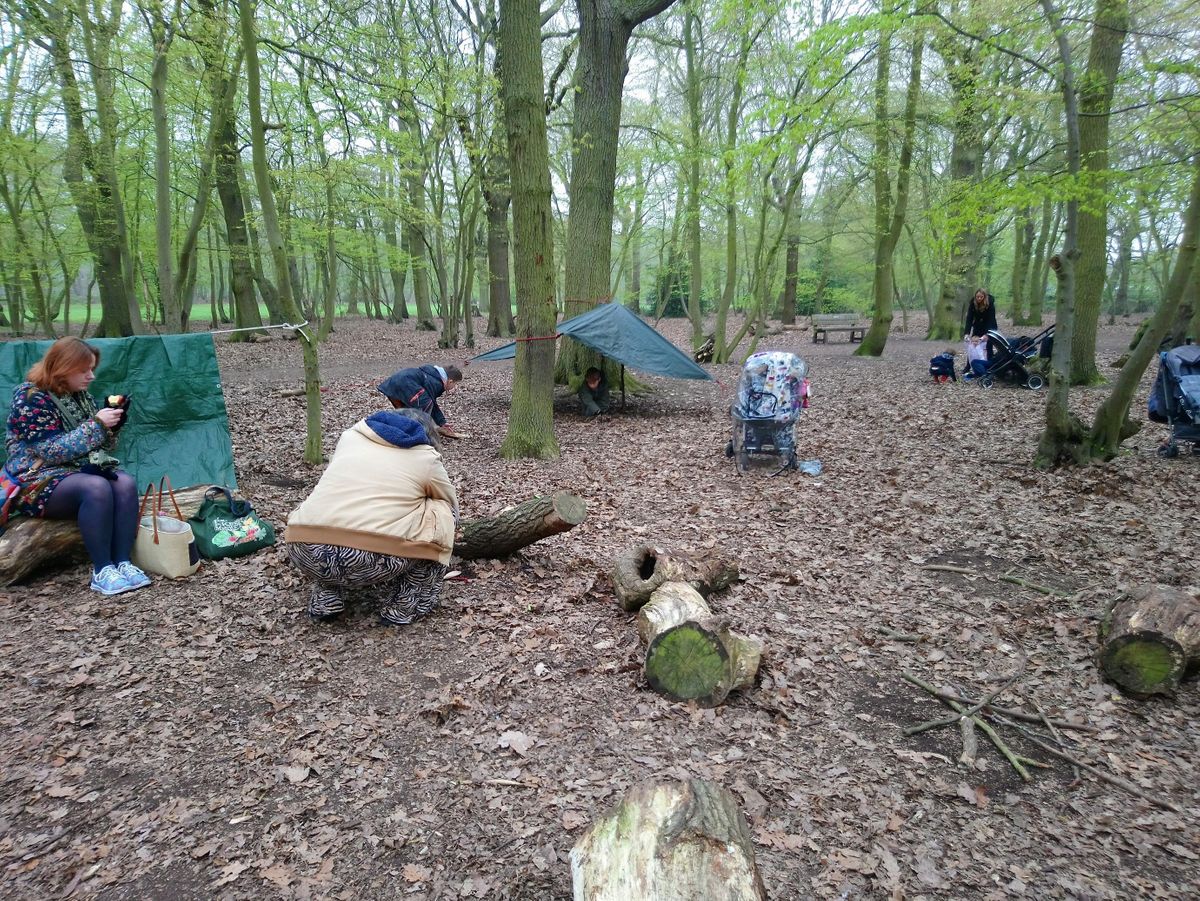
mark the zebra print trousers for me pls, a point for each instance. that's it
(410, 587)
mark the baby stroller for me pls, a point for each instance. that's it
(1175, 398)
(1008, 361)
(772, 391)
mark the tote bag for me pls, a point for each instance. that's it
(165, 544)
(225, 527)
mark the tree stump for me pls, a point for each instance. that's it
(668, 841)
(643, 568)
(1151, 639)
(29, 543)
(516, 527)
(690, 653)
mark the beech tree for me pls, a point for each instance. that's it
(531, 417)
(1095, 104)
(605, 27)
(890, 209)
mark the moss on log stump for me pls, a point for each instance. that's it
(516, 527)
(1151, 639)
(28, 544)
(668, 841)
(692, 655)
(644, 567)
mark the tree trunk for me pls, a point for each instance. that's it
(692, 655)
(643, 568)
(605, 27)
(163, 33)
(97, 196)
(397, 264)
(1039, 272)
(531, 415)
(1187, 316)
(229, 191)
(500, 316)
(791, 266)
(668, 841)
(1151, 639)
(312, 375)
(695, 274)
(1120, 294)
(1022, 243)
(966, 161)
(514, 528)
(1110, 427)
(890, 211)
(1095, 104)
(633, 298)
(1061, 439)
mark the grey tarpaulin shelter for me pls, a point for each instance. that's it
(620, 335)
(177, 426)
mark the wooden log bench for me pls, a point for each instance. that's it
(824, 323)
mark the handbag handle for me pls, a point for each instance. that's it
(237, 508)
(142, 510)
(166, 480)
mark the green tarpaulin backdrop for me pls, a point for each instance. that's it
(177, 421)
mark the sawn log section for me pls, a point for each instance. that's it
(668, 841)
(1151, 639)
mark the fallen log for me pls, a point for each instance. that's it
(516, 527)
(668, 841)
(28, 544)
(644, 567)
(690, 653)
(1151, 639)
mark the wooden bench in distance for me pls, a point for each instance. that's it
(824, 323)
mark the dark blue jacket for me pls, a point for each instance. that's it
(419, 388)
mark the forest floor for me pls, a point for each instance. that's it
(203, 739)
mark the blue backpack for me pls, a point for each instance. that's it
(941, 368)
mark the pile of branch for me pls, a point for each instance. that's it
(1036, 728)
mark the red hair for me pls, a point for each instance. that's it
(65, 357)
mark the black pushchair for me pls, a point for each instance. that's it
(1008, 361)
(1175, 398)
(772, 392)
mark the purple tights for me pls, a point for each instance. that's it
(107, 510)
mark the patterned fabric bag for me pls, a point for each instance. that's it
(225, 527)
(10, 492)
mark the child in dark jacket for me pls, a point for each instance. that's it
(419, 388)
(593, 393)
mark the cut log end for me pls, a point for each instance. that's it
(1144, 663)
(689, 662)
(570, 508)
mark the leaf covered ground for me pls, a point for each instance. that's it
(202, 739)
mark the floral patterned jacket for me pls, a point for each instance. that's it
(36, 431)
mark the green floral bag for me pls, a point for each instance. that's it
(225, 527)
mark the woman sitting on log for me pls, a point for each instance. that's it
(383, 515)
(57, 442)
